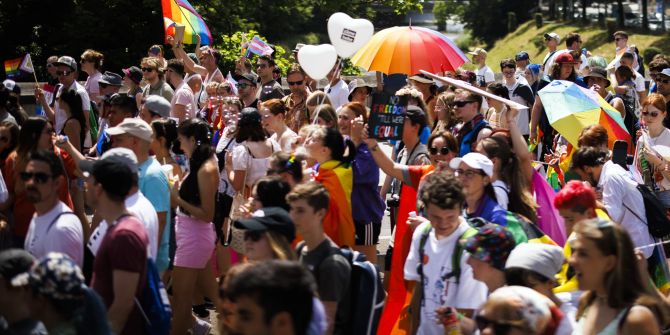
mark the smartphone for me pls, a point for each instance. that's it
(620, 153)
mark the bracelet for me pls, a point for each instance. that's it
(375, 147)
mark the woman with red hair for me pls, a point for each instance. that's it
(651, 151)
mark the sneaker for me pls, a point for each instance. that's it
(201, 327)
(201, 311)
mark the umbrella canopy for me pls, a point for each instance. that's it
(408, 50)
(570, 108)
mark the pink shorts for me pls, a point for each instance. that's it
(196, 240)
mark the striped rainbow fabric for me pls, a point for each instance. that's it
(338, 224)
(182, 13)
(12, 67)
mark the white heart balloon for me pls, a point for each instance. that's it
(317, 60)
(348, 35)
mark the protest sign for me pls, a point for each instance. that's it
(387, 117)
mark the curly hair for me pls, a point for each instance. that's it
(443, 190)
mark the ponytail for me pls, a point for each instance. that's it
(200, 131)
(340, 149)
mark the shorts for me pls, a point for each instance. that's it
(224, 202)
(195, 242)
(367, 233)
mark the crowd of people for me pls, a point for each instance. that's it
(244, 198)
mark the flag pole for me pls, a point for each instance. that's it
(185, 18)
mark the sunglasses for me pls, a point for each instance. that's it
(147, 69)
(252, 235)
(618, 39)
(462, 103)
(101, 85)
(50, 131)
(442, 151)
(653, 114)
(295, 83)
(40, 177)
(83, 61)
(468, 173)
(663, 81)
(50, 65)
(498, 328)
(63, 73)
(262, 66)
(242, 86)
(509, 73)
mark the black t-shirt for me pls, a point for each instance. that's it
(332, 272)
(271, 90)
(253, 104)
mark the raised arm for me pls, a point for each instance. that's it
(385, 163)
(188, 62)
(519, 144)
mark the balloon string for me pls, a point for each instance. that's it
(323, 97)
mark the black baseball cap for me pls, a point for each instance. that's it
(269, 218)
(416, 115)
(14, 262)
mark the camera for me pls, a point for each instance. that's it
(394, 201)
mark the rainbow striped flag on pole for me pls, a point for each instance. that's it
(182, 13)
(13, 67)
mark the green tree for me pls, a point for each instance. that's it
(486, 20)
(443, 10)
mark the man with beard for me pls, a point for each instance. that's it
(54, 227)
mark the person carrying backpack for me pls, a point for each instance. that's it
(439, 278)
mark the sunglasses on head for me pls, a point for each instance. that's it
(40, 177)
(498, 328)
(462, 103)
(63, 73)
(653, 114)
(295, 83)
(252, 235)
(441, 151)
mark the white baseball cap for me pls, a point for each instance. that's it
(134, 127)
(553, 36)
(474, 160)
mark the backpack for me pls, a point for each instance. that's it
(366, 292)
(455, 256)
(657, 219)
(154, 303)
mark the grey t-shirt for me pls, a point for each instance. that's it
(161, 88)
(332, 272)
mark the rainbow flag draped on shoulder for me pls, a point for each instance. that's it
(338, 224)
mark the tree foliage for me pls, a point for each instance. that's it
(487, 19)
(442, 10)
(124, 29)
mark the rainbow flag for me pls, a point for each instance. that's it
(338, 179)
(182, 13)
(13, 67)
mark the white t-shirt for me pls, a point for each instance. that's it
(522, 119)
(64, 235)
(662, 139)
(468, 294)
(60, 115)
(338, 93)
(184, 96)
(258, 166)
(138, 205)
(485, 75)
(569, 321)
(639, 82)
(501, 190)
(286, 141)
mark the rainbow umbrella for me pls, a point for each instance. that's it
(408, 50)
(181, 12)
(570, 108)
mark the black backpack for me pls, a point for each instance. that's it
(656, 214)
(366, 292)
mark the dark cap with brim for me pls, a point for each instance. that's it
(598, 72)
(247, 76)
(269, 218)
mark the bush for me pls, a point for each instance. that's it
(465, 41)
(230, 50)
(649, 53)
(512, 23)
(538, 20)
